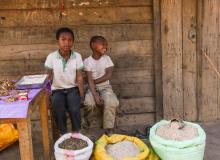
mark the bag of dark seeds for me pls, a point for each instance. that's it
(75, 146)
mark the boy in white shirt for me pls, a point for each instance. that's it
(99, 69)
(64, 70)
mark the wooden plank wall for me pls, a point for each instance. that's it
(27, 31)
(155, 53)
(190, 85)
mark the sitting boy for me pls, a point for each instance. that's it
(64, 70)
(99, 69)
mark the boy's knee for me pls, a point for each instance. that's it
(74, 110)
(111, 101)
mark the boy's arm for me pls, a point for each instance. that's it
(92, 88)
(79, 80)
(50, 74)
(106, 76)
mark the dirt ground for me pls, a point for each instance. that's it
(212, 151)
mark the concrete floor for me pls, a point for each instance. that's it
(212, 151)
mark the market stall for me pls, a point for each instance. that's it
(17, 110)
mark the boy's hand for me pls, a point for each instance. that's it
(98, 99)
(81, 100)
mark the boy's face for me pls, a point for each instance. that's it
(65, 41)
(100, 47)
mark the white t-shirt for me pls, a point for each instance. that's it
(97, 67)
(64, 72)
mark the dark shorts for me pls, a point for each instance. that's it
(66, 101)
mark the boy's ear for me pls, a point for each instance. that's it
(92, 45)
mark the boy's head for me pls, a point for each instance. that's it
(65, 38)
(99, 44)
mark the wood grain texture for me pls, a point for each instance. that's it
(40, 51)
(25, 139)
(189, 59)
(137, 105)
(110, 15)
(83, 33)
(35, 4)
(135, 119)
(210, 26)
(171, 28)
(158, 59)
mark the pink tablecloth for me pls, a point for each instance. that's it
(18, 109)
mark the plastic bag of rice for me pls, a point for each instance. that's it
(173, 131)
(172, 142)
(122, 149)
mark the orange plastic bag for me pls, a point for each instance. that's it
(8, 135)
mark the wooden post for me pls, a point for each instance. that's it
(199, 58)
(25, 139)
(189, 60)
(208, 93)
(171, 35)
(157, 60)
(219, 63)
(44, 125)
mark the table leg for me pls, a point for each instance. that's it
(55, 131)
(44, 126)
(25, 139)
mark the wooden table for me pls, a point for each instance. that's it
(24, 126)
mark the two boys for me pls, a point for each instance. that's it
(65, 72)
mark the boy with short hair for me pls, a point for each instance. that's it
(99, 69)
(64, 70)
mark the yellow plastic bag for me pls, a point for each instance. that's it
(8, 135)
(101, 154)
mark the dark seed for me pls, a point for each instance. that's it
(73, 144)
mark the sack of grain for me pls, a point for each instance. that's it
(115, 146)
(178, 144)
(8, 135)
(73, 146)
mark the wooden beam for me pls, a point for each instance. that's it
(189, 59)
(55, 4)
(79, 16)
(199, 58)
(209, 43)
(136, 105)
(83, 33)
(25, 139)
(40, 51)
(219, 66)
(157, 60)
(44, 106)
(171, 35)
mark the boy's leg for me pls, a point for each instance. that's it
(89, 107)
(73, 107)
(58, 101)
(110, 105)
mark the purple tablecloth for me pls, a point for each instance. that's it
(17, 109)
